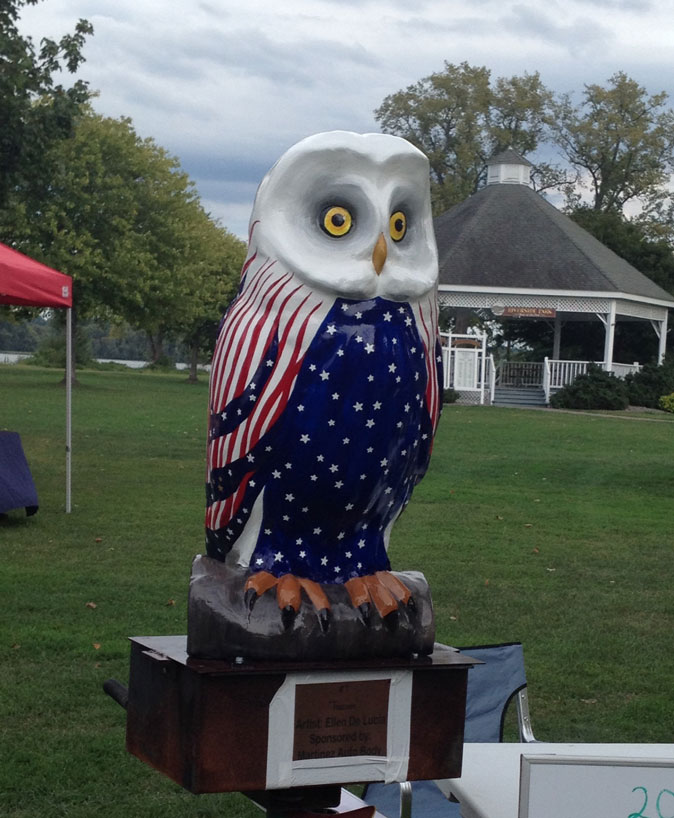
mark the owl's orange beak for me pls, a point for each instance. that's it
(379, 254)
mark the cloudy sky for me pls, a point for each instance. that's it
(227, 86)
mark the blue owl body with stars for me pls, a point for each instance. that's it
(324, 394)
(338, 467)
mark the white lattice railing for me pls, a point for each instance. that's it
(620, 370)
(565, 372)
(560, 373)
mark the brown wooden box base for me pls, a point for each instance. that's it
(206, 723)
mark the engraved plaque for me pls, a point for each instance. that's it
(341, 719)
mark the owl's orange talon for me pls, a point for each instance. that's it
(382, 589)
(357, 591)
(261, 582)
(383, 599)
(395, 586)
(256, 585)
(316, 594)
(288, 593)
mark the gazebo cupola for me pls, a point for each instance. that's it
(508, 168)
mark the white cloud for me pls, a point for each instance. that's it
(228, 86)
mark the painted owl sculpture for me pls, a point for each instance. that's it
(324, 399)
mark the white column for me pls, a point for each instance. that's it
(663, 339)
(610, 337)
(558, 337)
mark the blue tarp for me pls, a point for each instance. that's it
(17, 489)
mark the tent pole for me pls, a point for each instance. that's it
(69, 399)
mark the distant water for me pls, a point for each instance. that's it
(15, 357)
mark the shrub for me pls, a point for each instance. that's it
(52, 350)
(667, 402)
(450, 396)
(595, 389)
(646, 386)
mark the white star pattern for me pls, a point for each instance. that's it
(332, 460)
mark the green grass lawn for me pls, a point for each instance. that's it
(549, 527)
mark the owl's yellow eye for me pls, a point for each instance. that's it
(336, 221)
(398, 225)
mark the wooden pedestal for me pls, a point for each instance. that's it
(217, 726)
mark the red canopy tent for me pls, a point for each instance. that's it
(28, 283)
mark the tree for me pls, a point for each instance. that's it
(619, 140)
(36, 112)
(125, 221)
(459, 119)
(630, 239)
(217, 285)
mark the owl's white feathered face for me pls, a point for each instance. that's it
(350, 214)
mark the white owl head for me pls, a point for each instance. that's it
(350, 214)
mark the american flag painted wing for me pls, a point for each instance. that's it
(259, 351)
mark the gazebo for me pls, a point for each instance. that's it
(508, 250)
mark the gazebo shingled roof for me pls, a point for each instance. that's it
(507, 235)
(506, 246)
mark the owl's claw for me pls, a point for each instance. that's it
(249, 598)
(288, 595)
(257, 585)
(382, 589)
(288, 615)
(324, 619)
(365, 612)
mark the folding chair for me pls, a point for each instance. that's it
(491, 687)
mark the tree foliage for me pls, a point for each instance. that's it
(630, 239)
(36, 111)
(460, 118)
(125, 221)
(88, 196)
(620, 140)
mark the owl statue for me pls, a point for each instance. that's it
(324, 393)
